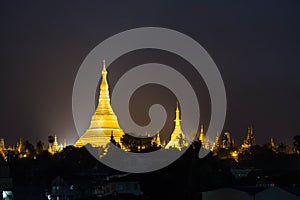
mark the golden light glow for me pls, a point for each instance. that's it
(234, 154)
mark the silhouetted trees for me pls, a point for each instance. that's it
(50, 139)
(29, 148)
(281, 148)
(135, 144)
(39, 147)
(297, 143)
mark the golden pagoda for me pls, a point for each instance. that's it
(55, 147)
(204, 140)
(250, 140)
(104, 120)
(156, 139)
(217, 143)
(201, 136)
(177, 138)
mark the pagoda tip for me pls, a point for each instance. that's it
(104, 66)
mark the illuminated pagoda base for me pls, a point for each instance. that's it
(104, 120)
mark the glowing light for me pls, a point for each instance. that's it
(234, 154)
(7, 195)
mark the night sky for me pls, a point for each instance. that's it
(255, 44)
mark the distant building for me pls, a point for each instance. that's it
(62, 189)
(156, 140)
(240, 173)
(250, 140)
(6, 184)
(204, 139)
(92, 186)
(20, 146)
(217, 144)
(123, 187)
(272, 144)
(59, 189)
(54, 147)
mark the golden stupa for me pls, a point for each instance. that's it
(177, 138)
(104, 120)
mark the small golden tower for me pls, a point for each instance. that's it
(217, 144)
(157, 139)
(177, 138)
(250, 140)
(201, 136)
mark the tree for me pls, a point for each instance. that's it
(135, 144)
(181, 140)
(112, 140)
(29, 148)
(39, 147)
(50, 139)
(281, 148)
(297, 143)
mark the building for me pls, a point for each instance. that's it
(104, 122)
(240, 173)
(20, 146)
(122, 187)
(227, 141)
(250, 140)
(217, 144)
(92, 185)
(272, 145)
(178, 140)
(6, 183)
(156, 139)
(55, 147)
(204, 140)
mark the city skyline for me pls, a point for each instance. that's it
(255, 49)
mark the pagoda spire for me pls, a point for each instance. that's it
(104, 68)
(158, 142)
(217, 144)
(104, 92)
(201, 136)
(177, 119)
(251, 130)
(272, 143)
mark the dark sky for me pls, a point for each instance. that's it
(255, 44)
